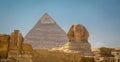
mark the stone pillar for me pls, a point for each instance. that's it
(16, 40)
(15, 45)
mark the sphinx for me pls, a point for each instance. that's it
(78, 41)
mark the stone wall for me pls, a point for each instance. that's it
(106, 59)
(44, 55)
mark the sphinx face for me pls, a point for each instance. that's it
(79, 32)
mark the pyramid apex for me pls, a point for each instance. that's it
(46, 13)
(46, 19)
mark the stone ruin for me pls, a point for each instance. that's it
(4, 45)
(13, 49)
(104, 54)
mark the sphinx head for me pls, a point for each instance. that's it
(78, 33)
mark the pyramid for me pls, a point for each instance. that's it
(46, 34)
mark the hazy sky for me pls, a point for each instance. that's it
(100, 17)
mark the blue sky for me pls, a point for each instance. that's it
(100, 17)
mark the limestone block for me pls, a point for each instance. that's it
(27, 47)
(106, 59)
(117, 59)
(105, 52)
(4, 41)
(25, 58)
(87, 59)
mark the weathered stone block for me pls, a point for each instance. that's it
(106, 59)
(27, 47)
(4, 41)
(16, 40)
(105, 52)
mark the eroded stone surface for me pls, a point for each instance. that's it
(13, 49)
(78, 33)
(105, 52)
(44, 55)
(27, 47)
(4, 41)
(16, 40)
